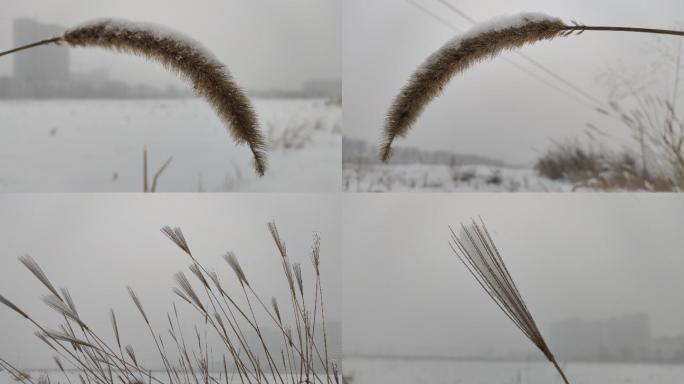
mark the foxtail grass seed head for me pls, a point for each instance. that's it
(188, 58)
(182, 55)
(484, 41)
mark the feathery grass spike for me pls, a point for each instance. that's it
(186, 57)
(10, 305)
(483, 41)
(176, 235)
(35, 269)
(138, 304)
(475, 248)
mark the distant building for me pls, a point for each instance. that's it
(623, 338)
(44, 72)
(48, 64)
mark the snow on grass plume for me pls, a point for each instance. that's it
(188, 58)
(483, 41)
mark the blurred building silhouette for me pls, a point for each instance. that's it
(44, 72)
(45, 64)
(619, 339)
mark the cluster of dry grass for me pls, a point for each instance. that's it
(231, 316)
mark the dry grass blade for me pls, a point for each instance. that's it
(35, 269)
(131, 353)
(176, 235)
(115, 326)
(138, 304)
(63, 308)
(276, 238)
(274, 304)
(232, 260)
(69, 300)
(475, 248)
(59, 336)
(187, 292)
(10, 305)
(483, 41)
(316, 254)
(297, 267)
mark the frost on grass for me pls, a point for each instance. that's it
(190, 60)
(483, 41)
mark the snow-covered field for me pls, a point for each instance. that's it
(57, 377)
(97, 145)
(358, 177)
(379, 371)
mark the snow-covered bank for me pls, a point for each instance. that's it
(378, 371)
(96, 145)
(360, 177)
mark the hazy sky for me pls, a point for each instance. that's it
(266, 44)
(96, 245)
(493, 109)
(586, 256)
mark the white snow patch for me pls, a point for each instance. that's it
(158, 31)
(491, 25)
(96, 146)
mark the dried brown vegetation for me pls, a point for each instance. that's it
(475, 248)
(229, 316)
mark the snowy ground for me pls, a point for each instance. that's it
(57, 377)
(378, 371)
(441, 178)
(96, 145)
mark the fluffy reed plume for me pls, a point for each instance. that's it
(209, 77)
(475, 248)
(483, 41)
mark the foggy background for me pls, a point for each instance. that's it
(96, 245)
(493, 109)
(600, 274)
(267, 45)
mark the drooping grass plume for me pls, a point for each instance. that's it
(476, 249)
(483, 41)
(186, 57)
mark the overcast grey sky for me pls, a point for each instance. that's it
(493, 109)
(96, 245)
(266, 44)
(588, 256)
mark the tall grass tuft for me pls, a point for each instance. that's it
(186, 57)
(485, 40)
(230, 317)
(475, 248)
